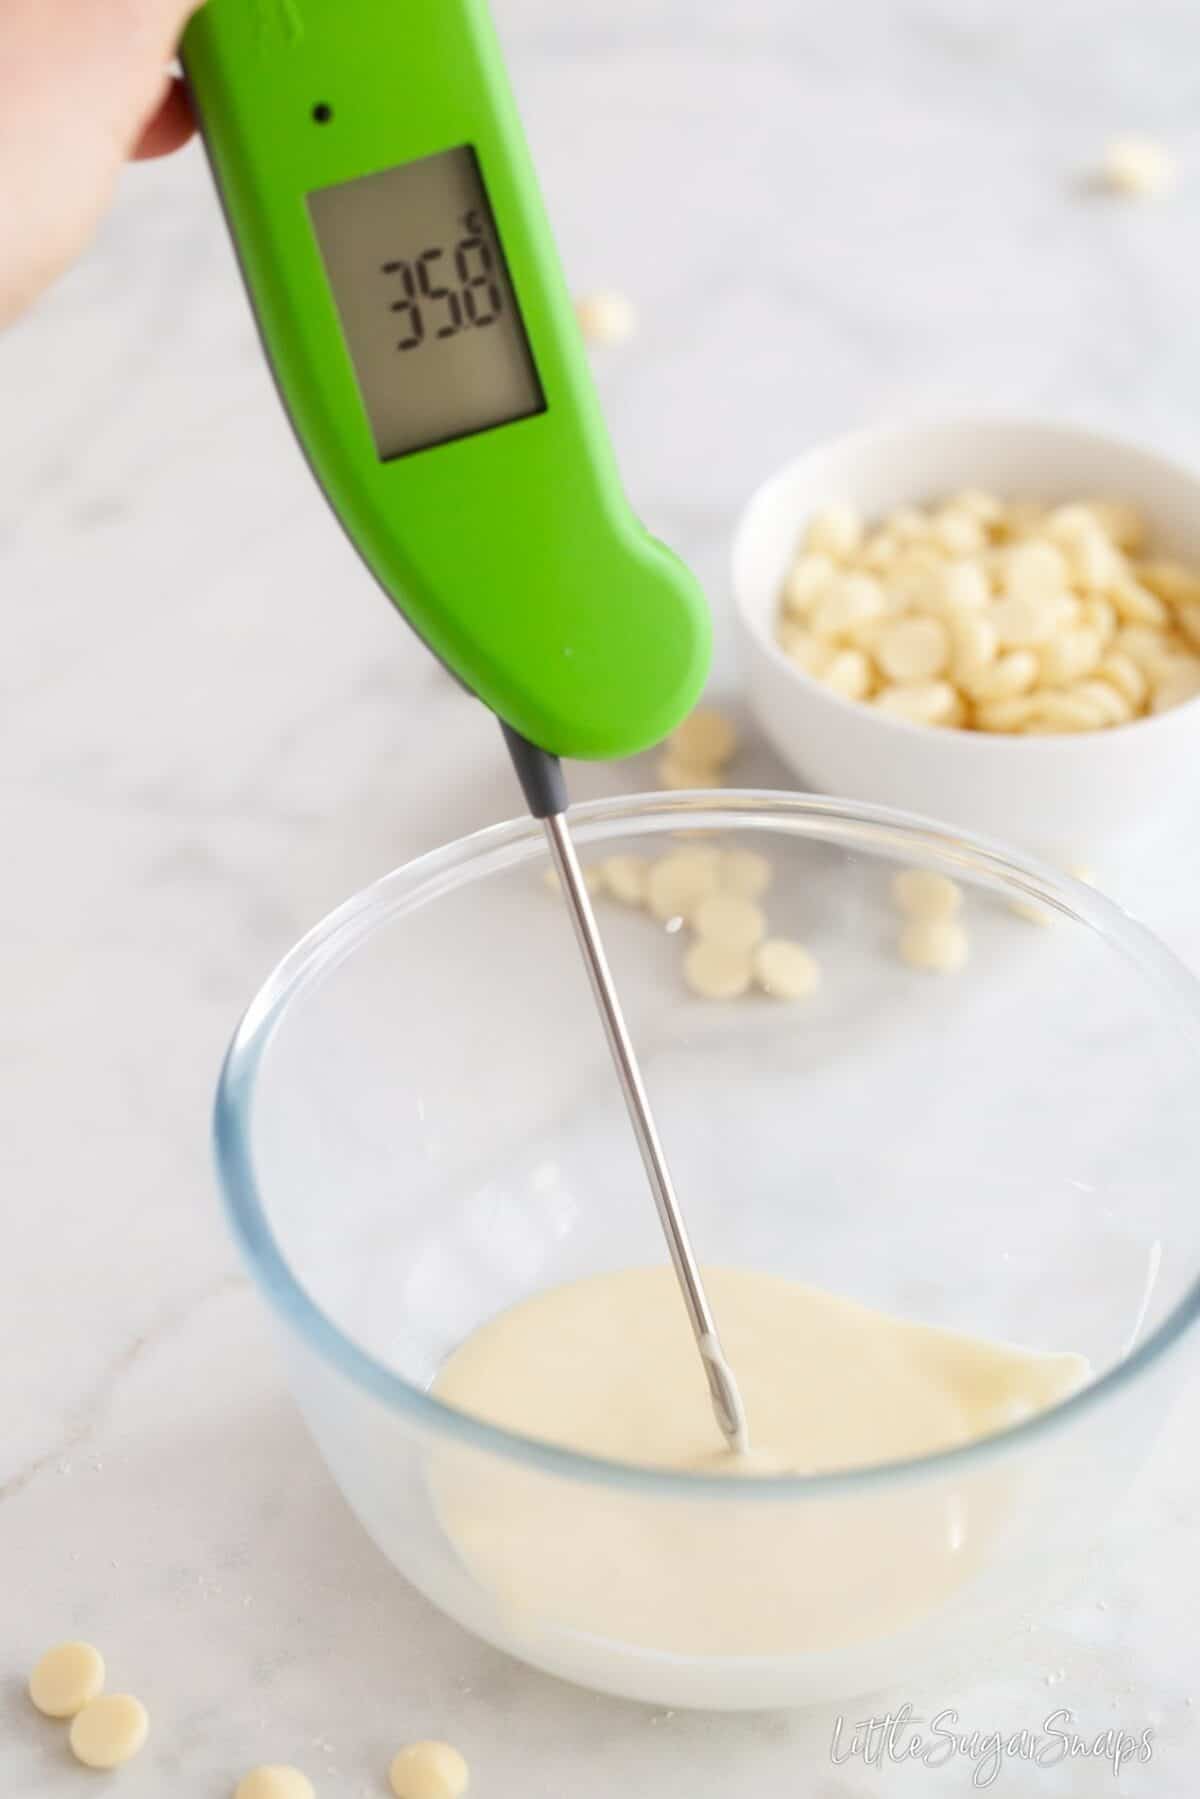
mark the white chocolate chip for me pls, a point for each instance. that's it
(1137, 605)
(1177, 686)
(1169, 580)
(1121, 523)
(879, 552)
(785, 970)
(109, 1731)
(973, 644)
(1188, 614)
(1099, 615)
(936, 945)
(810, 577)
(923, 893)
(728, 919)
(811, 654)
(706, 739)
(275, 1781)
(907, 523)
(1149, 648)
(678, 882)
(677, 776)
(1036, 572)
(1123, 673)
(927, 703)
(624, 879)
(1012, 714)
(1069, 656)
(744, 872)
(715, 972)
(429, 1771)
(1023, 622)
(1065, 709)
(913, 649)
(849, 673)
(1005, 677)
(66, 1678)
(606, 318)
(849, 601)
(1094, 561)
(1113, 706)
(957, 533)
(1137, 167)
(836, 531)
(960, 587)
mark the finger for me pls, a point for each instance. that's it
(169, 126)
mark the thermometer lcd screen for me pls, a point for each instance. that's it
(426, 304)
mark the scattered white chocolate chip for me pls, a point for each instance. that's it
(706, 739)
(606, 317)
(730, 920)
(109, 1731)
(429, 1771)
(677, 776)
(676, 884)
(785, 970)
(624, 878)
(714, 971)
(66, 1678)
(746, 872)
(1137, 167)
(936, 945)
(275, 1781)
(923, 893)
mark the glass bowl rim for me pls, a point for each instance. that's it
(418, 882)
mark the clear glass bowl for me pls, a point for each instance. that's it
(417, 1126)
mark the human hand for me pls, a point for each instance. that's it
(83, 86)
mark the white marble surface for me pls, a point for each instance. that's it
(211, 729)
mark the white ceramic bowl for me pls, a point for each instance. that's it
(1062, 796)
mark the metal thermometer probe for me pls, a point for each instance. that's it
(545, 792)
(387, 220)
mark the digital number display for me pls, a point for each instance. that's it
(427, 307)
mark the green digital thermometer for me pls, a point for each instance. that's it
(388, 222)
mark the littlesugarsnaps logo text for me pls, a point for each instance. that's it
(895, 1737)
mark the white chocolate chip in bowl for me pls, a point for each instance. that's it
(1082, 538)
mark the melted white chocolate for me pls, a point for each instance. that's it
(607, 1366)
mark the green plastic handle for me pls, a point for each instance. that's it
(512, 551)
